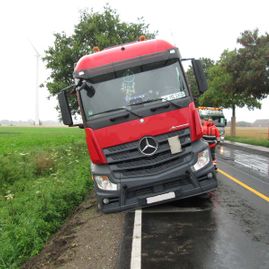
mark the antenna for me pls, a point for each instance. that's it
(173, 40)
(37, 121)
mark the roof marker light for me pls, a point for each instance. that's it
(142, 38)
(95, 49)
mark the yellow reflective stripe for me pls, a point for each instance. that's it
(259, 194)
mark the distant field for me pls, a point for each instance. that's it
(254, 132)
(249, 135)
(44, 174)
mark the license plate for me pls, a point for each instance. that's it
(161, 197)
(175, 145)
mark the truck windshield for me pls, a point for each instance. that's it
(218, 121)
(156, 81)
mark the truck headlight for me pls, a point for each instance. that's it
(104, 183)
(203, 160)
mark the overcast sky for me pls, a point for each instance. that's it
(199, 28)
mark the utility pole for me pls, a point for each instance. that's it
(37, 121)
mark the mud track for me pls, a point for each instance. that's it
(88, 239)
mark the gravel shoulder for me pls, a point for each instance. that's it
(88, 239)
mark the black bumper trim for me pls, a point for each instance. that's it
(181, 193)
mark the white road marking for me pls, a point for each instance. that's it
(136, 244)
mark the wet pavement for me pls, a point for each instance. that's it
(229, 229)
(215, 237)
(251, 162)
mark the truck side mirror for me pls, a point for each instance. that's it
(199, 75)
(225, 122)
(65, 108)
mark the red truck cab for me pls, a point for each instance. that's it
(142, 129)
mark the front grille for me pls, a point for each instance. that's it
(126, 160)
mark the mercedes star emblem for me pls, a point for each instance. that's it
(148, 145)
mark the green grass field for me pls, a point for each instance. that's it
(28, 138)
(44, 174)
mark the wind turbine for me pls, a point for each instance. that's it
(37, 121)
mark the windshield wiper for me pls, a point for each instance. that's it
(117, 109)
(147, 101)
(157, 99)
(172, 103)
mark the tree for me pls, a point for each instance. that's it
(240, 77)
(251, 66)
(94, 29)
(223, 90)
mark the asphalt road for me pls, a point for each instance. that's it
(230, 229)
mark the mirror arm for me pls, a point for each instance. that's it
(80, 125)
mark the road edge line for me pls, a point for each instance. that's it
(244, 185)
(136, 244)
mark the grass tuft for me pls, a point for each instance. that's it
(44, 164)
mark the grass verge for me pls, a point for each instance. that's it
(41, 182)
(249, 140)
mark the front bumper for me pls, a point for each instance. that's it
(181, 181)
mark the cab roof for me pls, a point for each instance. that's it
(121, 53)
